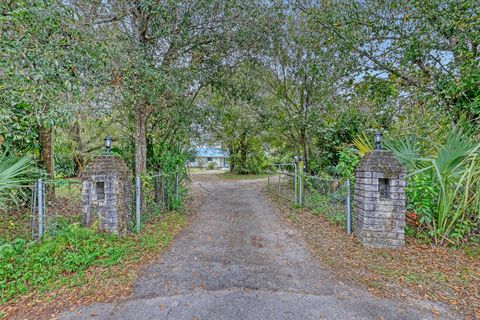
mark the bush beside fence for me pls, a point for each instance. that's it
(161, 192)
(329, 197)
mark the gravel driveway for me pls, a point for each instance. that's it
(237, 260)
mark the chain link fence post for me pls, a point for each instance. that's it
(34, 208)
(279, 184)
(295, 181)
(40, 208)
(137, 202)
(268, 178)
(349, 218)
(300, 183)
(176, 183)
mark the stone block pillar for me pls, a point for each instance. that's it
(379, 200)
(107, 194)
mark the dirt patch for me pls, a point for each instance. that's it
(419, 271)
(257, 241)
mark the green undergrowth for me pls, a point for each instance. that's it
(27, 266)
(16, 222)
(330, 206)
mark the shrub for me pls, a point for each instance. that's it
(444, 190)
(64, 165)
(211, 165)
(28, 266)
(348, 161)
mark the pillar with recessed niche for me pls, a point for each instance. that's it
(107, 194)
(379, 200)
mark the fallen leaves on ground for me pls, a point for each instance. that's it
(418, 271)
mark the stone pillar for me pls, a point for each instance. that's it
(107, 194)
(379, 213)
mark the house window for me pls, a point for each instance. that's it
(100, 190)
(209, 159)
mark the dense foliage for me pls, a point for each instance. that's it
(267, 80)
(444, 186)
(64, 255)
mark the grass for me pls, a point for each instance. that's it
(328, 206)
(78, 257)
(71, 190)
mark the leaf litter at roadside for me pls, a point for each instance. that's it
(419, 271)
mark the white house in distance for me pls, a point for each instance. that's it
(205, 155)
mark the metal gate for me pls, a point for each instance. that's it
(283, 181)
(48, 209)
(326, 196)
(329, 197)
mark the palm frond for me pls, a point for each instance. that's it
(406, 150)
(455, 170)
(13, 171)
(363, 144)
(456, 148)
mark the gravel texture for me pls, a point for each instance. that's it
(237, 260)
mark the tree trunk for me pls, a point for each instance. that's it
(243, 149)
(232, 163)
(303, 142)
(140, 141)
(243, 158)
(46, 156)
(78, 155)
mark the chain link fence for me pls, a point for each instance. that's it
(282, 181)
(161, 192)
(329, 197)
(54, 204)
(42, 206)
(45, 206)
(16, 214)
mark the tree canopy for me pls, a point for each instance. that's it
(267, 80)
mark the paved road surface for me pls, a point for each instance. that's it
(239, 261)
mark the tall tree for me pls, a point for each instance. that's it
(171, 49)
(428, 49)
(43, 65)
(306, 74)
(237, 117)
